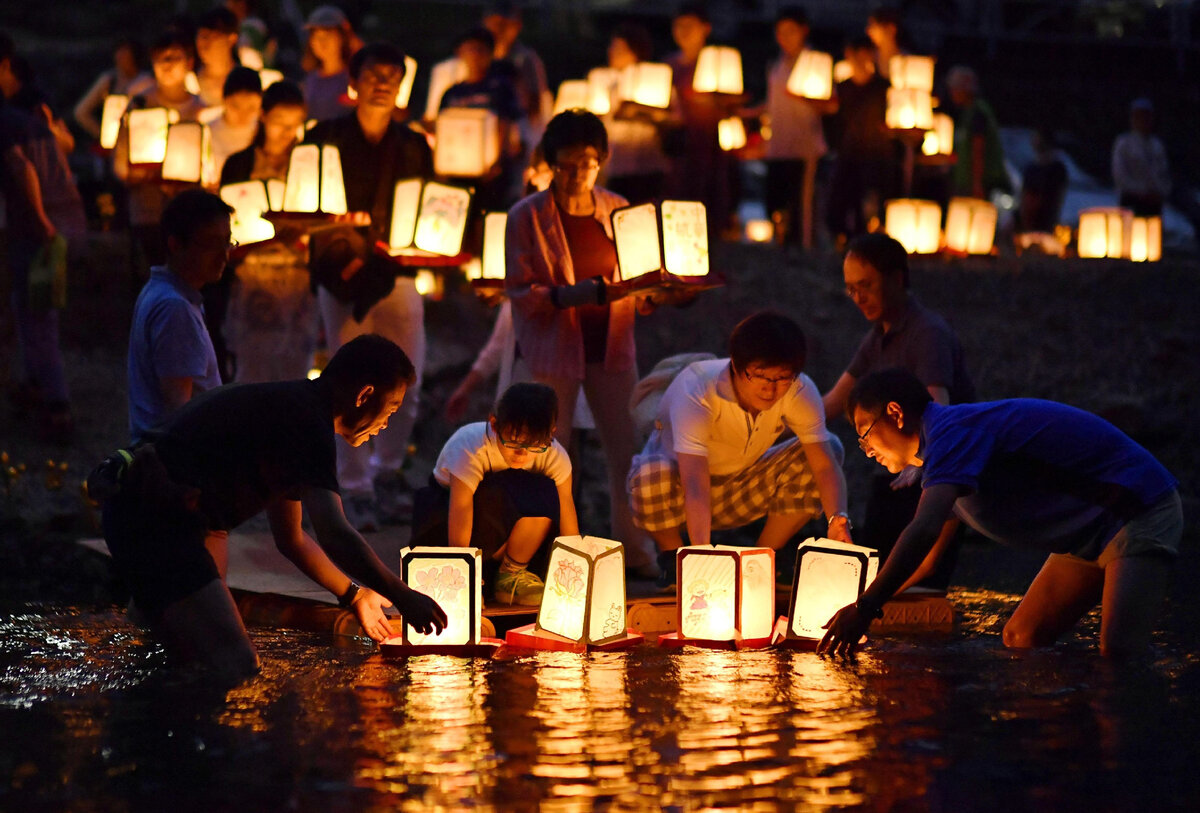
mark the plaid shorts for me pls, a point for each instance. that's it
(779, 482)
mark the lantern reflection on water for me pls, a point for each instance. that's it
(726, 596)
(829, 575)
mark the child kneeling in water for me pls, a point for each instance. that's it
(502, 486)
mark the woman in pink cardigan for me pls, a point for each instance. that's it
(574, 327)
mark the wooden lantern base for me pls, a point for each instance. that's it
(529, 637)
(675, 640)
(395, 648)
(417, 258)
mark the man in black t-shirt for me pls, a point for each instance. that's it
(233, 452)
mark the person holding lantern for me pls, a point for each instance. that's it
(712, 461)
(168, 505)
(1028, 473)
(216, 53)
(331, 44)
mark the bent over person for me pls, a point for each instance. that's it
(227, 455)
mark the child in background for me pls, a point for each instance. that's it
(331, 43)
(216, 46)
(502, 486)
(235, 129)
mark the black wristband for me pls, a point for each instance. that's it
(347, 598)
(865, 605)
(554, 298)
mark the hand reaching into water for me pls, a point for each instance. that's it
(845, 631)
(422, 612)
(368, 607)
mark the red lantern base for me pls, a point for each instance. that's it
(675, 640)
(529, 637)
(395, 648)
(417, 258)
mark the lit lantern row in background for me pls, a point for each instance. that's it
(917, 225)
(1115, 233)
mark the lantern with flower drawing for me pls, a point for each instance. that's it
(250, 201)
(909, 109)
(148, 134)
(646, 83)
(428, 218)
(188, 154)
(1145, 239)
(812, 75)
(731, 133)
(726, 596)
(314, 181)
(829, 575)
(911, 71)
(970, 225)
(939, 139)
(110, 119)
(467, 142)
(916, 224)
(1104, 231)
(653, 250)
(718, 70)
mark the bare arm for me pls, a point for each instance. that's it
(85, 109)
(831, 484)
(835, 400)
(939, 394)
(175, 392)
(697, 497)
(462, 513)
(929, 563)
(568, 521)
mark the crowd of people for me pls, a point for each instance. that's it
(204, 457)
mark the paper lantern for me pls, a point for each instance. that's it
(812, 75)
(601, 83)
(314, 180)
(911, 71)
(1104, 231)
(760, 230)
(1145, 239)
(678, 248)
(428, 218)
(429, 284)
(572, 93)
(188, 154)
(268, 77)
(148, 135)
(250, 200)
(725, 593)
(909, 109)
(110, 119)
(842, 70)
(916, 224)
(718, 70)
(493, 264)
(442, 77)
(646, 83)
(404, 93)
(829, 575)
(939, 139)
(731, 133)
(453, 578)
(468, 142)
(584, 599)
(970, 225)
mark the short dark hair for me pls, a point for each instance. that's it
(883, 253)
(573, 128)
(377, 53)
(173, 37)
(693, 9)
(191, 209)
(637, 38)
(218, 19)
(477, 34)
(528, 409)
(283, 92)
(769, 338)
(796, 14)
(860, 42)
(509, 9)
(242, 80)
(366, 360)
(874, 391)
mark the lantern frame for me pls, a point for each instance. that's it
(330, 199)
(741, 558)
(679, 227)
(492, 262)
(962, 238)
(438, 210)
(187, 170)
(921, 243)
(812, 62)
(718, 70)
(867, 560)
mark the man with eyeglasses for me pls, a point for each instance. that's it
(904, 333)
(712, 461)
(1028, 473)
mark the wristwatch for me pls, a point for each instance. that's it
(845, 516)
(347, 598)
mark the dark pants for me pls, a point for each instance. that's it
(888, 514)
(857, 192)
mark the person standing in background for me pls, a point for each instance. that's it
(1139, 163)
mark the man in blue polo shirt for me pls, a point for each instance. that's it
(1030, 473)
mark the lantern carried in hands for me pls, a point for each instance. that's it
(572, 93)
(148, 134)
(250, 201)
(911, 71)
(970, 225)
(726, 597)
(314, 181)
(916, 224)
(189, 153)
(718, 70)
(731, 133)
(1104, 231)
(490, 273)
(110, 119)
(646, 83)
(584, 601)
(939, 139)
(909, 109)
(467, 142)
(650, 255)
(428, 218)
(812, 75)
(829, 575)
(600, 85)
(1145, 239)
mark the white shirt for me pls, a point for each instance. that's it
(699, 414)
(1139, 165)
(474, 451)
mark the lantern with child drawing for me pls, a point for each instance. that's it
(1104, 231)
(812, 75)
(1145, 239)
(731, 133)
(250, 201)
(726, 597)
(584, 601)
(911, 71)
(916, 224)
(148, 134)
(188, 154)
(467, 142)
(428, 218)
(646, 83)
(453, 578)
(829, 575)
(314, 181)
(970, 226)
(110, 119)
(718, 70)
(662, 244)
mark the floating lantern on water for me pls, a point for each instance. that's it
(314, 180)
(760, 230)
(428, 218)
(467, 142)
(110, 119)
(726, 596)
(970, 225)
(453, 578)
(909, 109)
(676, 251)
(647, 83)
(584, 601)
(916, 224)
(939, 139)
(812, 75)
(829, 575)
(731, 133)
(188, 154)
(1104, 231)
(1145, 239)
(718, 70)
(250, 201)
(148, 135)
(911, 71)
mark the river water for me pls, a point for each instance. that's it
(90, 720)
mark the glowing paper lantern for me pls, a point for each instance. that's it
(572, 93)
(445, 74)
(1104, 231)
(268, 77)
(829, 575)
(731, 133)
(600, 84)
(718, 70)
(110, 119)
(647, 83)
(1145, 239)
(492, 266)
(760, 230)
(429, 284)
(909, 109)
(584, 599)
(468, 142)
(842, 70)
(314, 180)
(404, 93)
(916, 224)
(812, 75)
(726, 594)
(148, 135)
(453, 578)
(911, 71)
(428, 218)
(679, 248)
(970, 225)
(250, 200)
(939, 140)
(188, 152)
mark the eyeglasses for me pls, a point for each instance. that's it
(863, 443)
(864, 288)
(534, 448)
(762, 380)
(581, 167)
